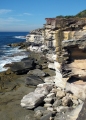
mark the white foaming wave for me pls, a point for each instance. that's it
(20, 37)
(13, 50)
(6, 60)
(2, 63)
(11, 55)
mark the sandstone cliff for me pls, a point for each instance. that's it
(66, 38)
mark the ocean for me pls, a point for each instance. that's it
(10, 54)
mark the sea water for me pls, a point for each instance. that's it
(11, 54)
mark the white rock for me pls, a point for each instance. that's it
(77, 90)
(48, 100)
(49, 79)
(44, 90)
(73, 115)
(54, 90)
(54, 57)
(47, 105)
(49, 57)
(60, 94)
(57, 65)
(58, 80)
(51, 66)
(38, 113)
(51, 95)
(44, 84)
(61, 109)
(73, 97)
(58, 88)
(80, 101)
(66, 101)
(75, 102)
(50, 108)
(32, 100)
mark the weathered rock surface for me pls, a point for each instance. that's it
(82, 114)
(77, 90)
(10, 98)
(32, 100)
(22, 67)
(35, 98)
(37, 72)
(49, 79)
(33, 80)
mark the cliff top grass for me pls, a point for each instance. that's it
(81, 14)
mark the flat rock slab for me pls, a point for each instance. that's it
(77, 89)
(37, 72)
(82, 114)
(22, 67)
(32, 100)
(33, 80)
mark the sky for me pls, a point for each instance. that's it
(26, 15)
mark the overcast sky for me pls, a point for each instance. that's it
(26, 15)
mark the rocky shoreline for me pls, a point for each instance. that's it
(48, 101)
(50, 83)
(20, 79)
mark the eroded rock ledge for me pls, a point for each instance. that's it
(61, 96)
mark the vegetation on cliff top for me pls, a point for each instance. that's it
(80, 15)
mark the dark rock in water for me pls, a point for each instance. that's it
(16, 44)
(27, 59)
(33, 80)
(22, 67)
(82, 114)
(8, 65)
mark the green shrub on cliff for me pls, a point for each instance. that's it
(67, 16)
(81, 14)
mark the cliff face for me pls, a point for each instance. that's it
(67, 36)
(36, 36)
(57, 30)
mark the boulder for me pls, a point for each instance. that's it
(73, 115)
(62, 109)
(32, 100)
(45, 89)
(38, 114)
(49, 79)
(35, 98)
(78, 90)
(47, 105)
(33, 80)
(59, 81)
(40, 108)
(57, 103)
(60, 94)
(22, 67)
(37, 72)
(67, 102)
(48, 100)
(51, 95)
(82, 111)
(51, 66)
(47, 116)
